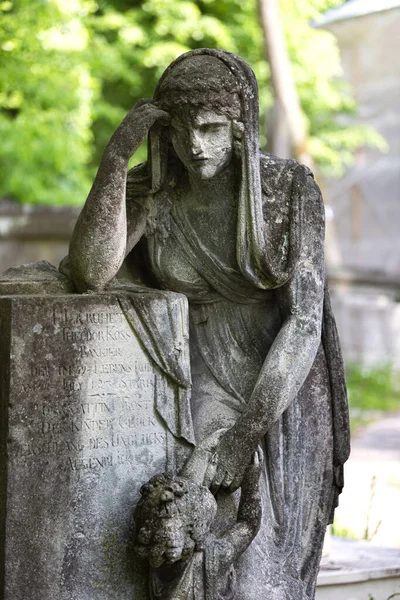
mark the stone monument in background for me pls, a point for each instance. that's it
(188, 334)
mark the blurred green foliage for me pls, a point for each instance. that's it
(372, 391)
(69, 71)
(46, 102)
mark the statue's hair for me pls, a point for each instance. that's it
(200, 82)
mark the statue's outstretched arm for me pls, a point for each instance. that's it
(301, 305)
(99, 239)
(292, 353)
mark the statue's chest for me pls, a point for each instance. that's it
(213, 226)
(187, 240)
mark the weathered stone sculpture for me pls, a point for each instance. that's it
(236, 236)
(240, 233)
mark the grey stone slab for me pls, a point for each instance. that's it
(357, 569)
(359, 558)
(80, 434)
(34, 278)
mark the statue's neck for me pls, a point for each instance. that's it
(224, 185)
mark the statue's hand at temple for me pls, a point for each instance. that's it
(134, 128)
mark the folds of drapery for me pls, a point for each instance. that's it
(340, 411)
(230, 285)
(160, 321)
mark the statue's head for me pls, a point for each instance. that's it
(172, 519)
(201, 94)
(203, 91)
(212, 96)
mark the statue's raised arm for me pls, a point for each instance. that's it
(98, 244)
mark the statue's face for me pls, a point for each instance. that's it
(204, 143)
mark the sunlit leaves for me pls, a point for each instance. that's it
(46, 102)
(71, 37)
(70, 70)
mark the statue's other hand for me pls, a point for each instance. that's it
(134, 128)
(253, 471)
(229, 464)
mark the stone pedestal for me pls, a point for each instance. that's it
(80, 434)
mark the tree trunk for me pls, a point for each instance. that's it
(286, 128)
(287, 134)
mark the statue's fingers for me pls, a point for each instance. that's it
(236, 483)
(256, 465)
(210, 474)
(218, 478)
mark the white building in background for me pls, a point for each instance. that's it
(366, 201)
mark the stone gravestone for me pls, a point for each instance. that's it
(80, 434)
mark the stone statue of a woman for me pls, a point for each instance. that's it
(240, 233)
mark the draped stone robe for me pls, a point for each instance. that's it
(233, 324)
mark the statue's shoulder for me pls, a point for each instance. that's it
(138, 181)
(276, 171)
(278, 175)
(288, 188)
(271, 162)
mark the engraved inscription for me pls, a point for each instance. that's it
(94, 395)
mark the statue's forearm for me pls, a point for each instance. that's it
(282, 375)
(293, 352)
(98, 243)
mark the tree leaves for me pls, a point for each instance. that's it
(69, 71)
